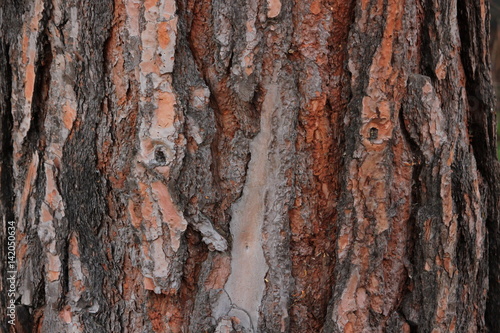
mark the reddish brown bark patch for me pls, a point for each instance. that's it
(313, 218)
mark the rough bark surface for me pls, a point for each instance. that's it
(250, 165)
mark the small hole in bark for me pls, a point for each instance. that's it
(160, 156)
(373, 134)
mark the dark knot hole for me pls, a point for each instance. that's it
(373, 133)
(160, 156)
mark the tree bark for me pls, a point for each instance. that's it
(249, 166)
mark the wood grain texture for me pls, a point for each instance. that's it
(250, 165)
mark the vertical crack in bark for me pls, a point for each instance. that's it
(76, 193)
(33, 66)
(474, 37)
(6, 168)
(7, 180)
(413, 242)
(427, 208)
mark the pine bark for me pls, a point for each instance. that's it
(250, 165)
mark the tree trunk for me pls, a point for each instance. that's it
(249, 166)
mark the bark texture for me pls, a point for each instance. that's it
(250, 165)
